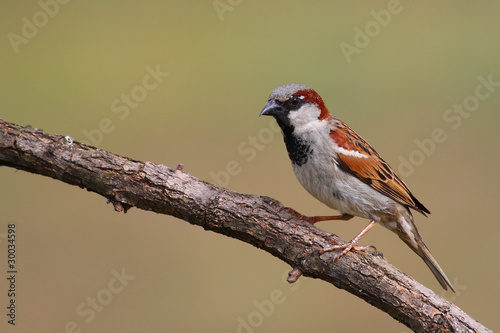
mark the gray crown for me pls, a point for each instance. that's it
(284, 92)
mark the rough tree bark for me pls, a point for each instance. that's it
(258, 220)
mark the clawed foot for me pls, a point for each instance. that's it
(346, 247)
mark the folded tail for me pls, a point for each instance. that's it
(407, 231)
(433, 265)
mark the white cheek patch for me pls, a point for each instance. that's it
(305, 118)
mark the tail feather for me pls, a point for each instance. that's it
(408, 232)
(434, 266)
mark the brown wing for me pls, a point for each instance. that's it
(363, 162)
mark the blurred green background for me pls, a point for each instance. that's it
(66, 68)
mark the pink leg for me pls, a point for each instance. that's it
(314, 219)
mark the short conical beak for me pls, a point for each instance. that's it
(272, 108)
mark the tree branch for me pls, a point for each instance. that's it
(260, 221)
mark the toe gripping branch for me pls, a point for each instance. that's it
(296, 272)
(346, 247)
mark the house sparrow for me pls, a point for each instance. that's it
(340, 169)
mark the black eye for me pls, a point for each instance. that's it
(295, 100)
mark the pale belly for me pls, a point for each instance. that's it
(345, 193)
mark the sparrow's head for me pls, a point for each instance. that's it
(295, 105)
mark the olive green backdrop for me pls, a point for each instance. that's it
(411, 77)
